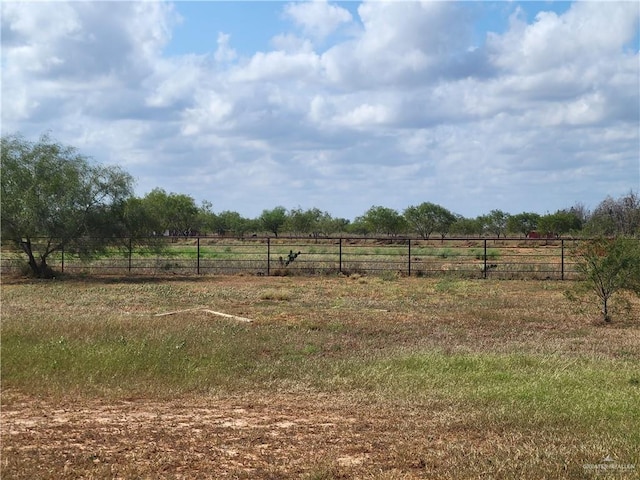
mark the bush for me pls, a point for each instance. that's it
(609, 265)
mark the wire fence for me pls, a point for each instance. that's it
(507, 258)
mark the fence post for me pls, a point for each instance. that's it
(484, 268)
(562, 259)
(268, 256)
(409, 257)
(340, 255)
(130, 253)
(62, 264)
(198, 256)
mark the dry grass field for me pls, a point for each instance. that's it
(334, 378)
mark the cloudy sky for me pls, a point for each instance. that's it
(518, 106)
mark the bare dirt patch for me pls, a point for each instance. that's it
(248, 436)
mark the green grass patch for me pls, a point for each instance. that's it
(155, 357)
(515, 387)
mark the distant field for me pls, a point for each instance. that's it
(334, 377)
(515, 258)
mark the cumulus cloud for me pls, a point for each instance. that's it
(75, 58)
(317, 18)
(587, 32)
(80, 41)
(577, 60)
(210, 113)
(363, 115)
(278, 65)
(172, 82)
(401, 43)
(405, 106)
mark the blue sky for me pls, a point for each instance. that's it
(518, 106)
(252, 24)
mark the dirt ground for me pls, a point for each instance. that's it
(282, 436)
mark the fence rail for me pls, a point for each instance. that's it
(509, 258)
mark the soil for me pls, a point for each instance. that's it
(280, 436)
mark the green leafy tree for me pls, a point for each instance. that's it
(359, 227)
(331, 226)
(302, 222)
(495, 223)
(173, 213)
(383, 220)
(232, 222)
(206, 218)
(445, 222)
(312, 221)
(467, 226)
(138, 219)
(609, 266)
(221, 223)
(53, 194)
(523, 223)
(273, 220)
(560, 223)
(427, 218)
(322, 222)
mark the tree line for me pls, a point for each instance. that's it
(174, 214)
(51, 191)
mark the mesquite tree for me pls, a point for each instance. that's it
(426, 218)
(383, 221)
(609, 265)
(53, 194)
(273, 220)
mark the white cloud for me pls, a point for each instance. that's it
(173, 81)
(78, 41)
(290, 43)
(363, 115)
(277, 65)
(211, 113)
(402, 44)
(30, 38)
(402, 109)
(588, 32)
(317, 18)
(80, 58)
(224, 53)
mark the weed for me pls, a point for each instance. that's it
(389, 276)
(278, 295)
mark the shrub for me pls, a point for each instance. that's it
(609, 266)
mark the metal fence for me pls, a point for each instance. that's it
(508, 258)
